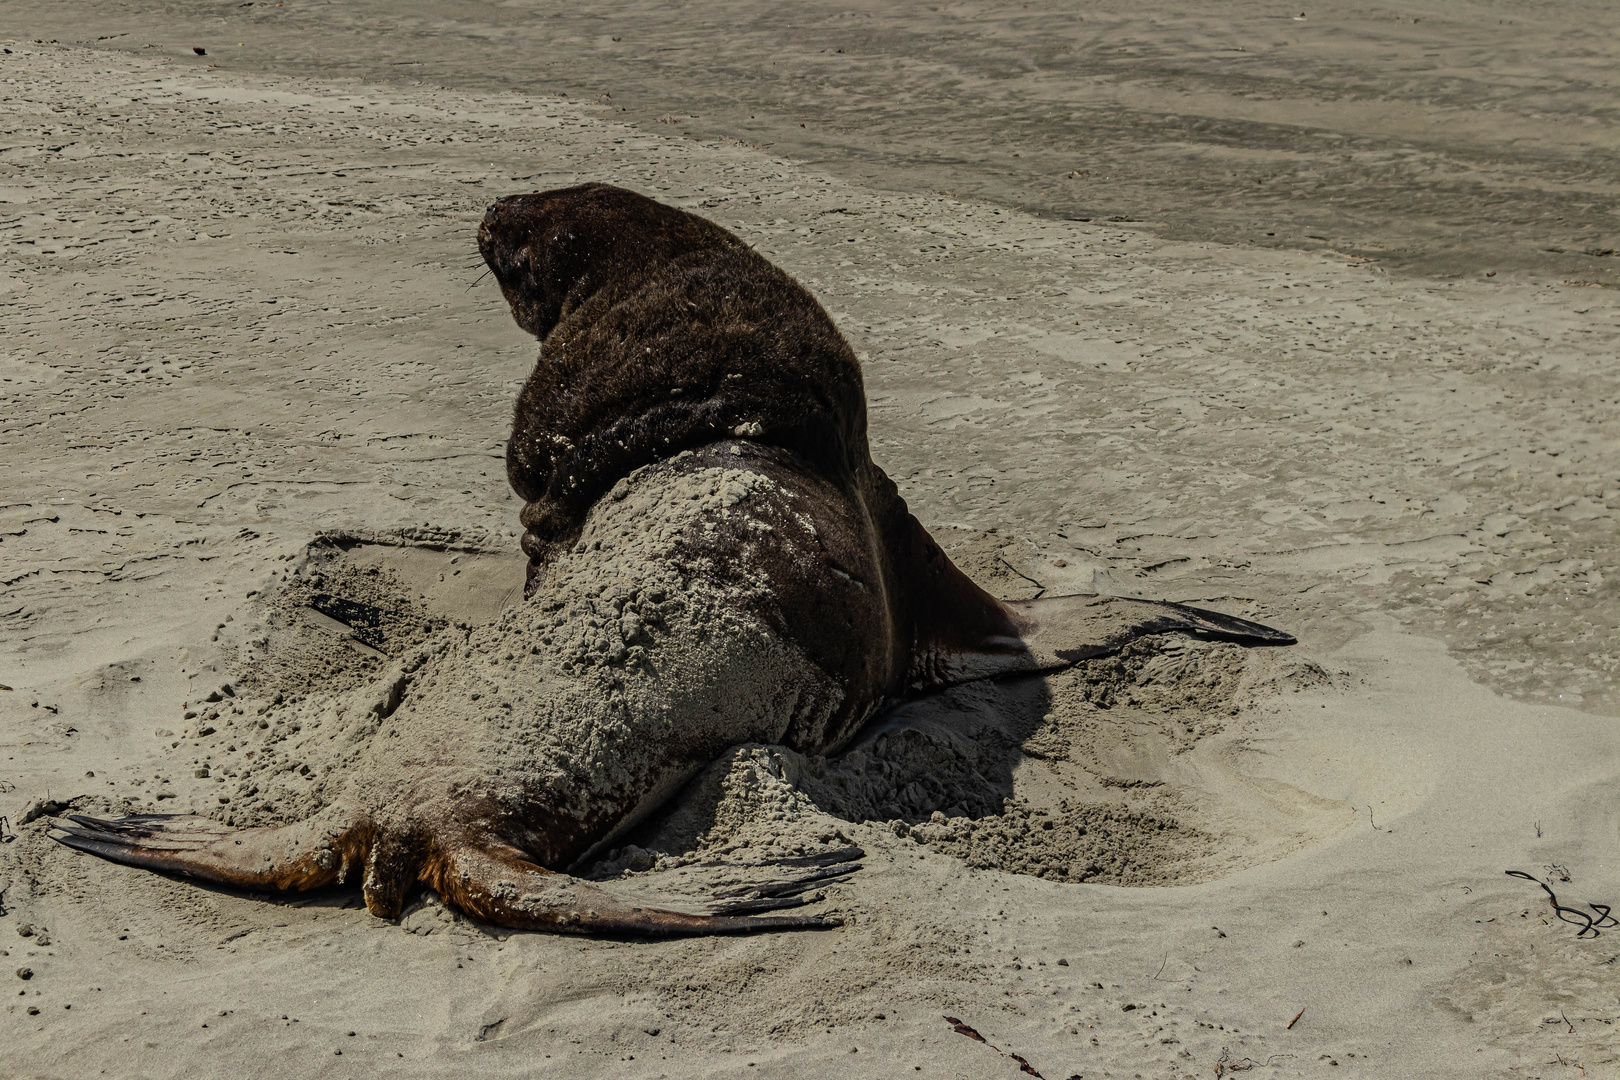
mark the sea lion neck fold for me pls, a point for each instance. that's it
(660, 332)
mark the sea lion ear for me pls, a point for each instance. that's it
(560, 265)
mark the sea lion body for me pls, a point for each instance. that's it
(714, 559)
(656, 640)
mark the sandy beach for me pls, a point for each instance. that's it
(1308, 320)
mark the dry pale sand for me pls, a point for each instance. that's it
(241, 311)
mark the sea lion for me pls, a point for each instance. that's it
(714, 559)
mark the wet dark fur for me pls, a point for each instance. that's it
(659, 332)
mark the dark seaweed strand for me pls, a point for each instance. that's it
(1587, 924)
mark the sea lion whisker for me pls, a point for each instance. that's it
(1023, 575)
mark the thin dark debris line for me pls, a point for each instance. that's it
(962, 1029)
(1023, 575)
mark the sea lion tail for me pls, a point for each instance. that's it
(498, 884)
(304, 855)
(490, 881)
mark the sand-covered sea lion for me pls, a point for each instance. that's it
(714, 559)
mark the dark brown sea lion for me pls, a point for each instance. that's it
(714, 559)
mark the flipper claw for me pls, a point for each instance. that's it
(824, 858)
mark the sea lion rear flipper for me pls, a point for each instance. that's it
(498, 884)
(305, 855)
(1061, 630)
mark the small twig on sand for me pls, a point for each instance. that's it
(1023, 575)
(1163, 962)
(1567, 1064)
(1295, 1020)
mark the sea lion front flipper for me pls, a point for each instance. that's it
(1057, 631)
(1061, 630)
(498, 884)
(305, 855)
(961, 633)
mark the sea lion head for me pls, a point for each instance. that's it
(660, 332)
(552, 251)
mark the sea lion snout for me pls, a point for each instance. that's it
(499, 236)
